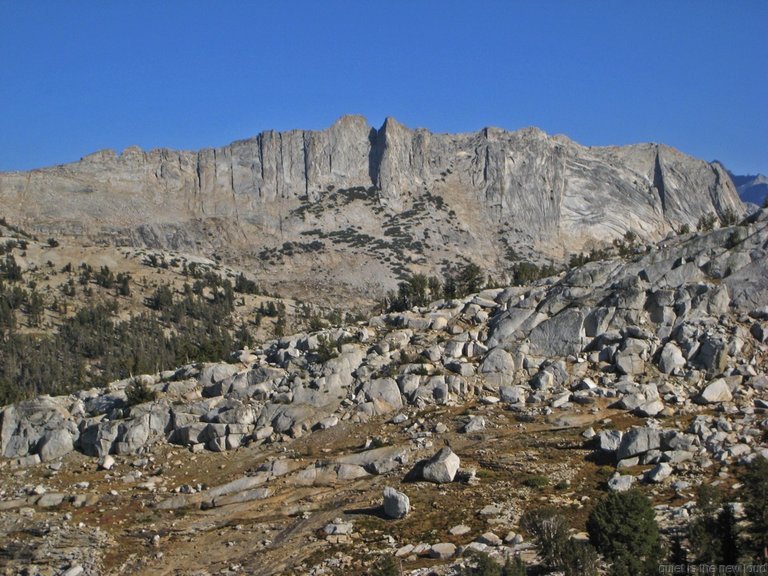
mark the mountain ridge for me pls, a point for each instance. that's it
(361, 195)
(752, 187)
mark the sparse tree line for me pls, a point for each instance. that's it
(94, 346)
(420, 290)
(91, 345)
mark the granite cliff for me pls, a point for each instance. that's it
(353, 205)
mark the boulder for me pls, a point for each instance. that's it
(490, 539)
(98, 439)
(193, 433)
(55, 444)
(433, 391)
(213, 377)
(24, 425)
(677, 456)
(543, 380)
(133, 435)
(387, 464)
(475, 424)
(620, 483)
(460, 530)
(759, 332)
(240, 497)
(396, 504)
(660, 472)
(609, 440)
(716, 391)
(512, 394)
(585, 385)
(671, 359)
(51, 500)
(644, 402)
(350, 472)
(404, 551)
(378, 460)
(650, 408)
(629, 363)
(561, 335)
(26, 461)
(242, 484)
(638, 441)
(498, 360)
(285, 417)
(712, 355)
(461, 368)
(561, 400)
(454, 349)
(339, 527)
(442, 551)
(442, 467)
(385, 395)
(107, 462)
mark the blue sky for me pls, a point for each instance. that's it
(80, 76)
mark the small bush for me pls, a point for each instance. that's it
(386, 566)
(514, 567)
(484, 565)
(555, 547)
(421, 370)
(729, 217)
(536, 481)
(755, 494)
(138, 392)
(712, 532)
(326, 350)
(706, 223)
(245, 286)
(526, 272)
(316, 323)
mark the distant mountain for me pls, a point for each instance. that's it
(752, 189)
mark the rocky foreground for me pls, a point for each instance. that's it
(421, 434)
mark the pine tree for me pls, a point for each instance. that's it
(623, 528)
(755, 494)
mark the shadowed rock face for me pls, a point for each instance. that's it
(416, 197)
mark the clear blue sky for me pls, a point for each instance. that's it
(80, 76)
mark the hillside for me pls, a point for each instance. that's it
(107, 312)
(647, 370)
(352, 209)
